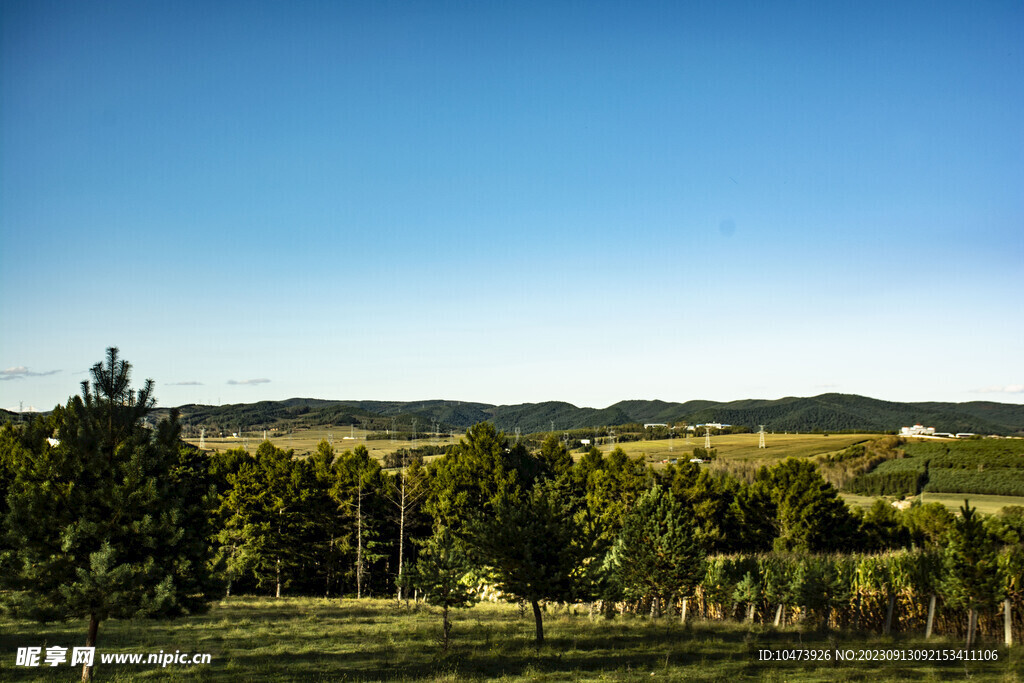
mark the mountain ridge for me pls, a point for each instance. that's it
(825, 412)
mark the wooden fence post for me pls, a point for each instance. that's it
(931, 617)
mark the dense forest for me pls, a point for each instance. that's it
(824, 413)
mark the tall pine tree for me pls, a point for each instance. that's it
(98, 524)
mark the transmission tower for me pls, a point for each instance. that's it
(202, 438)
(707, 439)
(517, 434)
(760, 441)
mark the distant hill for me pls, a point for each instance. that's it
(827, 412)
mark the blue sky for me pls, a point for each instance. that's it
(509, 202)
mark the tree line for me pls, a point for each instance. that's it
(101, 517)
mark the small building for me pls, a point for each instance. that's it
(917, 430)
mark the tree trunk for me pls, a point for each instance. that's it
(931, 617)
(888, 614)
(778, 615)
(90, 641)
(539, 622)
(447, 628)
(972, 625)
(1007, 623)
(359, 540)
(278, 593)
(682, 613)
(401, 538)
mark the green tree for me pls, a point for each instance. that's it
(927, 524)
(554, 457)
(971, 577)
(440, 572)
(357, 490)
(657, 554)
(808, 512)
(95, 525)
(474, 473)
(534, 546)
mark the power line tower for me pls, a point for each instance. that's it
(518, 431)
(760, 441)
(202, 438)
(707, 439)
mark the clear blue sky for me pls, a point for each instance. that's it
(513, 201)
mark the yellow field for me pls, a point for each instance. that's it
(730, 447)
(304, 442)
(743, 447)
(985, 504)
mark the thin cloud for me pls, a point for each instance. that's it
(1002, 389)
(21, 372)
(261, 380)
(183, 384)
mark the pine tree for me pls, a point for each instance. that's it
(534, 546)
(439, 572)
(972, 578)
(657, 554)
(97, 523)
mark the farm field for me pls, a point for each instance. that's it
(730, 447)
(306, 639)
(305, 441)
(743, 447)
(988, 505)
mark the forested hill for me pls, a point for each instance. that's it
(827, 412)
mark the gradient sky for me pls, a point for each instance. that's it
(513, 201)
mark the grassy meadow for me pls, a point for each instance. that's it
(743, 448)
(306, 639)
(305, 441)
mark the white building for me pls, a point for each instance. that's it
(917, 430)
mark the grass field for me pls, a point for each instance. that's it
(988, 505)
(305, 441)
(736, 447)
(743, 447)
(304, 639)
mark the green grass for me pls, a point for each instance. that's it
(743, 448)
(305, 441)
(303, 639)
(985, 504)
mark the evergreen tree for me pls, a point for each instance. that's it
(809, 515)
(440, 571)
(267, 520)
(474, 473)
(96, 525)
(532, 543)
(657, 553)
(972, 578)
(357, 490)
